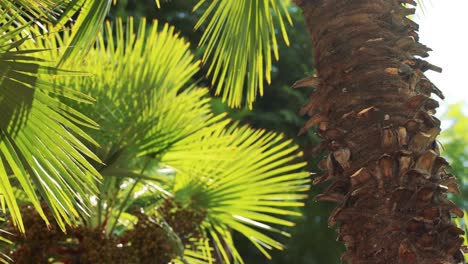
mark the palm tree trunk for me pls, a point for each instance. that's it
(372, 107)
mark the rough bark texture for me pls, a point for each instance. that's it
(372, 107)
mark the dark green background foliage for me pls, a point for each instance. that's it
(277, 110)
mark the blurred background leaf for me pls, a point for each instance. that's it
(454, 141)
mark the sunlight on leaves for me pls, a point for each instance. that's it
(238, 39)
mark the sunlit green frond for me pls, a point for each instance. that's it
(142, 112)
(26, 11)
(85, 28)
(89, 16)
(238, 41)
(144, 107)
(246, 180)
(178, 129)
(136, 83)
(39, 142)
(254, 193)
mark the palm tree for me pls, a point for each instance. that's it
(372, 106)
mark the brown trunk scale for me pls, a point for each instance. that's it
(372, 107)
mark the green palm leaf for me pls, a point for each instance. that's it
(87, 25)
(238, 40)
(146, 89)
(144, 109)
(251, 193)
(27, 11)
(143, 112)
(182, 133)
(38, 134)
(85, 28)
(89, 17)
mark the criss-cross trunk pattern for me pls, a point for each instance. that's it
(372, 107)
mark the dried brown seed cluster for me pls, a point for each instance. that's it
(148, 242)
(184, 221)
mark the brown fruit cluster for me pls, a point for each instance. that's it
(184, 221)
(37, 245)
(148, 242)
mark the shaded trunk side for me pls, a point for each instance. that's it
(372, 107)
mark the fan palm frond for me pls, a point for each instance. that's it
(26, 11)
(143, 111)
(135, 89)
(39, 136)
(246, 180)
(59, 13)
(238, 40)
(85, 28)
(251, 193)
